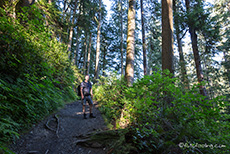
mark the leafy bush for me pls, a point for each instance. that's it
(36, 75)
(162, 118)
(110, 95)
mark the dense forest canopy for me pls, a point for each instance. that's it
(165, 63)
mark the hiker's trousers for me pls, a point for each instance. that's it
(88, 99)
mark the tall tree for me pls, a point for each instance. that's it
(96, 74)
(182, 62)
(85, 54)
(76, 53)
(153, 35)
(63, 18)
(130, 51)
(121, 41)
(89, 53)
(193, 36)
(104, 58)
(167, 35)
(71, 29)
(143, 39)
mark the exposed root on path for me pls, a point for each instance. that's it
(57, 125)
(47, 151)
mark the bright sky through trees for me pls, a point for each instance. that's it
(108, 4)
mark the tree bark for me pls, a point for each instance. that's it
(96, 74)
(185, 80)
(199, 70)
(85, 55)
(227, 63)
(143, 39)
(80, 55)
(77, 47)
(182, 62)
(104, 60)
(167, 36)
(63, 18)
(129, 70)
(121, 43)
(71, 30)
(89, 52)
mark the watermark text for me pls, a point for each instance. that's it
(198, 145)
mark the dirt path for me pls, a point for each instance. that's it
(41, 140)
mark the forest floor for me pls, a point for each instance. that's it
(59, 133)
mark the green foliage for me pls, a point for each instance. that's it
(162, 118)
(36, 75)
(110, 94)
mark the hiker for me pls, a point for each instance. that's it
(86, 93)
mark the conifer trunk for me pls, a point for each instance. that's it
(185, 80)
(227, 62)
(104, 59)
(121, 43)
(96, 74)
(71, 30)
(76, 53)
(199, 70)
(89, 52)
(167, 36)
(85, 55)
(143, 40)
(129, 70)
(182, 62)
(63, 18)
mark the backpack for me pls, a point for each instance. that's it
(79, 90)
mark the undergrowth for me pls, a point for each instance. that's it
(36, 76)
(160, 117)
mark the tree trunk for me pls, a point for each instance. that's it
(104, 60)
(227, 63)
(98, 43)
(129, 70)
(185, 80)
(206, 64)
(77, 47)
(121, 43)
(199, 71)
(80, 55)
(71, 30)
(182, 62)
(63, 16)
(89, 52)
(143, 39)
(85, 55)
(167, 36)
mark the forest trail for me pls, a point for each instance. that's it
(42, 140)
